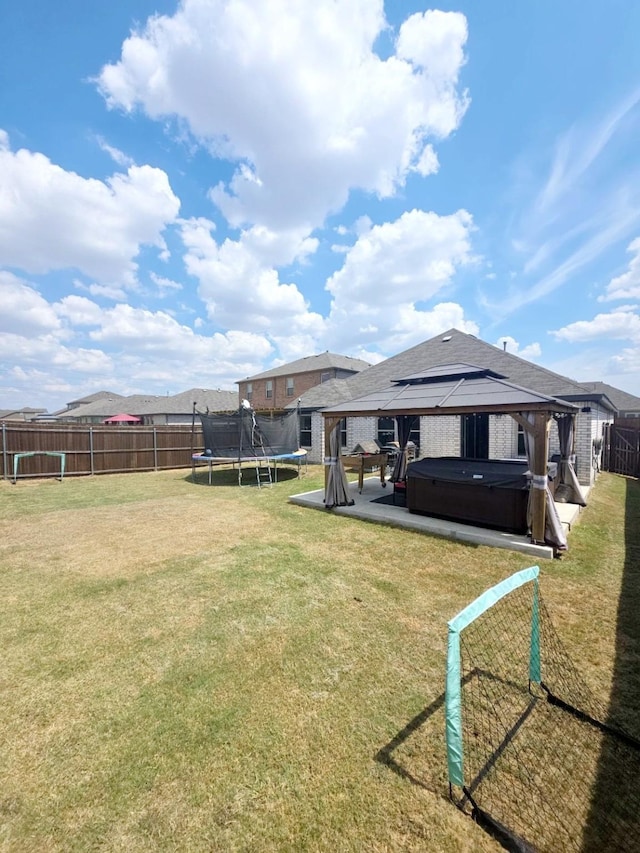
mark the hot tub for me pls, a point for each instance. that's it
(486, 492)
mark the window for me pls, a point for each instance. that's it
(414, 435)
(325, 377)
(249, 391)
(305, 430)
(475, 436)
(522, 449)
(386, 431)
(289, 386)
(269, 389)
(343, 432)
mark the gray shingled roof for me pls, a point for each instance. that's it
(334, 391)
(151, 404)
(324, 361)
(621, 399)
(451, 388)
(91, 398)
(215, 401)
(446, 348)
(25, 410)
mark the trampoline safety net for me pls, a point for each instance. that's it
(246, 433)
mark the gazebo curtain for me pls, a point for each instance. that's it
(553, 530)
(337, 491)
(405, 425)
(567, 473)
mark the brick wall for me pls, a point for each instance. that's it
(440, 436)
(302, 382)
(589, 426)
(503, 437)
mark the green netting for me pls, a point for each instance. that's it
(455, 747)
(532, 754)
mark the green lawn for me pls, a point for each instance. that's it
(195, 668)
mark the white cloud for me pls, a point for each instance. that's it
(165, 286)
(409, 260)
(239, 282)
(106, 291)
(346, 119)
(367, 355)
(391, 272)
(618, 325)
(610, 224)
(428, 163)
(531, 351)
(584, 206)
(627, 285)
(149, 334)
(79, 310)
(51, 219)
(23, 311)
(76, 344)
(47, 354)
(116, 155)
(578, 150)
(627, 361)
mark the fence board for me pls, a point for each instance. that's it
(96, 449)
(621, 449)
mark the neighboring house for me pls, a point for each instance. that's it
(91, 398)
(278, 387)
(24, 414)
(152, 409)
(478, 435)
(628, 405)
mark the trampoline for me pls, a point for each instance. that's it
(250, 439)
(298, 458)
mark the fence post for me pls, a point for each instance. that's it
(4, 451)
(91, 450)
(155, 450)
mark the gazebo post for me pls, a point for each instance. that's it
(329, 425)
(539, 495)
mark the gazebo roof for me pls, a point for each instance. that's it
(450, 389)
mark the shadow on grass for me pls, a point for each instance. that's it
(390, 754)
(616, 784)
(227, 476)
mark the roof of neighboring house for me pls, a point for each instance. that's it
(324, 361)
(90, 398)
(334, 391)
(215, 401)
(19, 414)
(446, 348)
(147, 404)
(623, 401)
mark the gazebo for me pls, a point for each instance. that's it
(459, 389)
(122, 418)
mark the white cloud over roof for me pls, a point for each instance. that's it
(298, 97)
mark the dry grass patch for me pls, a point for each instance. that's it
(213, 668)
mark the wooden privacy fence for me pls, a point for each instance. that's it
(621, 448)
(95, 449)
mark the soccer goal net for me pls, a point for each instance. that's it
(531, 755)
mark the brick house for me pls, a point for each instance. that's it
(279, 387)
(479, 436)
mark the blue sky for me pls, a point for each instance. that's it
(192, 193)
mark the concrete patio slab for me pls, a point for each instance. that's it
(398, 516)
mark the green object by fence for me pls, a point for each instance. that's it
(18, 456)
(453, 700)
